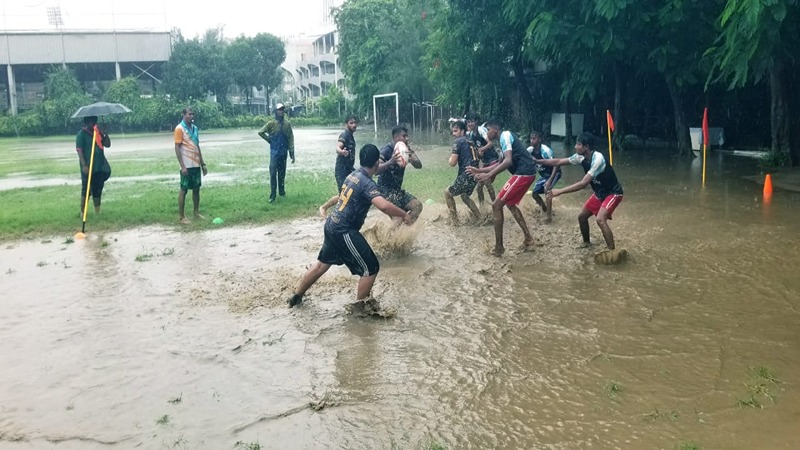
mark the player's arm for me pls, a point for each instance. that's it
(486, 173)
(413, 158)
(549, 184)
(392, 161)
(553, 162)
(340, 150)
(572, 187)
(390, 210)
(323, 210)
(265, 131)
(178, 138)
(453, 159)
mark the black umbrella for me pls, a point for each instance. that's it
(101, 109)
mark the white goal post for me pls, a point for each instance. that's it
(396, 109)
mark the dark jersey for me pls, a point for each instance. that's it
(478, 138)
(521, 161)
(355, 198)
(467, 154)
(392, 177)
(604, 180)
(347, 163)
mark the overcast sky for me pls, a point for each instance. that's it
(279, 17)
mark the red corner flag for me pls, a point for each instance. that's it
(610, 120)
(705, 126)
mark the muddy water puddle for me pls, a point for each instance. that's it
(154, 339)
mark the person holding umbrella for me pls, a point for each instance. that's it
(91, 143)
(100, 169)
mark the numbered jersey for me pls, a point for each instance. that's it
(355, 198)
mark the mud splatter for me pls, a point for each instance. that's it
(391, 242)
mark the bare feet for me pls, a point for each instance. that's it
(498, 251)
(586, 244)
(199, 216)
(185, 221)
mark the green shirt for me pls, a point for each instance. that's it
(83, 141)
(279, 145)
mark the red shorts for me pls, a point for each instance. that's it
(515, 188)
(610, 203)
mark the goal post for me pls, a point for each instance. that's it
(375, 109)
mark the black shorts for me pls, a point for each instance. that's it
(464, 185)
(350, 249)
(397, 197)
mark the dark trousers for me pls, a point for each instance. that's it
(277, 174)
(98, 182)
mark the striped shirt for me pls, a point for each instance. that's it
(189, 140)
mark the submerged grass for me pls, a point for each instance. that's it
(759, 388)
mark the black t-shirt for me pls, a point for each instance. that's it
(521, 161)
(479, 140)
(604, 179)
(355, 200)
(392, 177)
(467, 153)
(347, 163)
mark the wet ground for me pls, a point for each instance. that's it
(155, 339)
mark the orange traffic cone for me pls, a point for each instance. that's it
(768, 185)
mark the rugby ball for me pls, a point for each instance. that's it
(402, 150)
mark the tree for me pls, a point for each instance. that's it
(330, 104)
(197, 68)
(759, 39)
(246, 64)
(63, 96)
(273, 53)
(380, 55)
(185, 77)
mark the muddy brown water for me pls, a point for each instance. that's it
(532, 350)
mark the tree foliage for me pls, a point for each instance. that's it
(380, 49)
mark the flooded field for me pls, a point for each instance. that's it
(156, 339)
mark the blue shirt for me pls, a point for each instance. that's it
(355, 200)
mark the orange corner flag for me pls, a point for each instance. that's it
(610, 120)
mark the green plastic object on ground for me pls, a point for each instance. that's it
(218, 221)
(429, 201)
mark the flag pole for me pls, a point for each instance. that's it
(705, 142)
(609, 128)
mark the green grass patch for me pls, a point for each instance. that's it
(760, 388)
(143, 189)
(688, 446)
(612, 389)
(661, 415)
(163, 420)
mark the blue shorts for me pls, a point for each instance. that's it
(538, 188)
